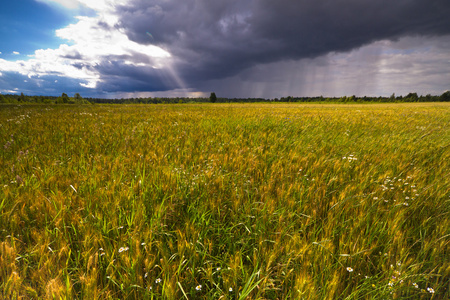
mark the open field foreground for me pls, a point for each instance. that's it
(225, 201)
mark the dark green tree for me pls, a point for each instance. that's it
(65, 98)
(445, 96)
(62, 99)
(392, 98)
(213, 98)
(412, 97)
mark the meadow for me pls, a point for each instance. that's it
(225, 201)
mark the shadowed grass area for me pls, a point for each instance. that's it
(225, 201)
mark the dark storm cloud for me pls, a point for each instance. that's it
(215, 39)
(118, 76)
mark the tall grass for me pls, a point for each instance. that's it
(221, 201)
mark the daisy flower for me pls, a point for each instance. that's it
(122, 249)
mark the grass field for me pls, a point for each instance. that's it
(225, 201)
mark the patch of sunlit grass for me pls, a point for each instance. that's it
(241, 201)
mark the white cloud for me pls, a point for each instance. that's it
(16, 53)
(69, 4)
(94, 40)
(103, 5)
(98, 5)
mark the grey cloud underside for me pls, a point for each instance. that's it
(46, 85)
(217, 39)
(117, 77)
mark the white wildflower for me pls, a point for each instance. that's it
(122, 249)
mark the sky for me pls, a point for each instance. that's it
(235, 48)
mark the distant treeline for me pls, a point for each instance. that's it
(77, 99)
